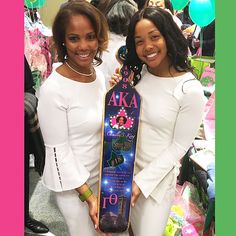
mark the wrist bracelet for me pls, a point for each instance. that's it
(84, 196)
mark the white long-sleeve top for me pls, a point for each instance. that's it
(70, 116)
(171, 114)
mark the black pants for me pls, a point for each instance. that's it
(26, 169)
(26, 192)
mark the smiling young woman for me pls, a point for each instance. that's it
(81, 44)
(70, 115)
(171, 114)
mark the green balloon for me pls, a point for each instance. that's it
(202, 12)
(179, 4)
(34, 3)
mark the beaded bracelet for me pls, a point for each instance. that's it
(84, 196)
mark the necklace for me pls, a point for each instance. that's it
(80, 73)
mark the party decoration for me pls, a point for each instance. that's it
(179, 4)
(202, 12)
(34, 3)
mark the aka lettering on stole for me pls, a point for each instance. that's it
(120, 129)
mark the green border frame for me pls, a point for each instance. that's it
(225, 117)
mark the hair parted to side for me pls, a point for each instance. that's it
(177, 45)
(97, 19)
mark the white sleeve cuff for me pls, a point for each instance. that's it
(61, 171)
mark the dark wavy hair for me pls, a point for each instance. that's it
(118, 14)
(177, 45)
(62, 20)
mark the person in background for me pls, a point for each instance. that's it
(70, 114)
(171, 98)
(208, 40)
(185, 17)
(33, 145)
(165, 4)
(118, 14)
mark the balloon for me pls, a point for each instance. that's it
(34, 3)
(179, 4)
(202, 12)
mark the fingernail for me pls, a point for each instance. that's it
(95, 226)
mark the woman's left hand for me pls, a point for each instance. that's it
(135, 193)
(93, 210)
(93, 213)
